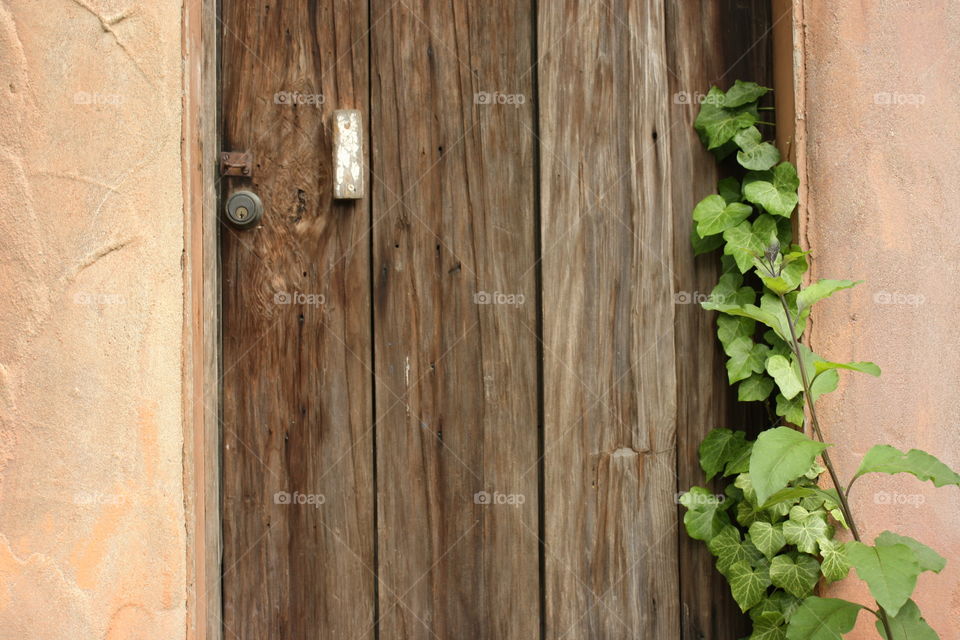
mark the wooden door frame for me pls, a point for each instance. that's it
(200, 144)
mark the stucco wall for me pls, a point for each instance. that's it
(92, 541)
(883, 177)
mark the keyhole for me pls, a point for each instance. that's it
(242, 213)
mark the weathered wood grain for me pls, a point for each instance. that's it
(456, 392)
(709, 42)
(297, 390)
(608, 313)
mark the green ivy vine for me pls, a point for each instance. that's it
(773, 532)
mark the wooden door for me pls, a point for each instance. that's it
(462, 406)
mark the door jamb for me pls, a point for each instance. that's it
(200, 144)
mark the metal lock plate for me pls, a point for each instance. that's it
(244, 209)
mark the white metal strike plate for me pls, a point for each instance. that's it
(347, 154)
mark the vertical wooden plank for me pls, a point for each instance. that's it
(297, 384)
(455, 318)
(609, 371)
(200, 148)
(710, 42)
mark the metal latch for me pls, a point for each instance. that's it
(236, 163)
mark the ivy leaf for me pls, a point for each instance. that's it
(797, 577)
(791, 275)
(705, 516)
(883, 458)
(768, 538)
(786, 376)
(823, 619)
(753, 153)
(775, 191)
(806, 532)
(717, 124)
(741, 464)
(928, 559)
(767, 629)
(791, 410)
(743, 245)
(729, 292)
(729, 549)
(720, 447)
(742, 93)
(822, 289)
(789, 495)
(746, 357)
(748, 585)
(862, 367)
(890, 571)
(729, 328)
(756, 388)
(704, 245)
(835, 565)
(779, 456)
(714, 215)
(824, 383)
(908, 625)
(729, 190)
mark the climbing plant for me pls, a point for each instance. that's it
(773, 530)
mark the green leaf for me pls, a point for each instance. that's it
(824, 383)
(797, 577)
(822, 289)
(784, 372)
(775, 191)
(729, 291)
(729, 549)
(729, 328)
(928, 559)
(704, 245)
(742, 93)
(908, 625)
(890, 572)
(714, 215)
(823, 619)
(741, 464)
(768, 538)
(746, 357)
(835, 565)
(779, 456)
(791, 410)
(883, 458)
(789, 495)
(753, 153)
(790, 277)
(756, 388)
(705, 516)
(748, 585)
(772, 305)
(717, 124)
(729, 190)
(768, 630)
(862, 367)
(807, 531)
(743, 245)
(720, 447)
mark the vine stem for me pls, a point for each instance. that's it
(841, 493)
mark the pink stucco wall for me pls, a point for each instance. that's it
(92, 531)
(882, 112)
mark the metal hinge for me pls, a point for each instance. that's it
(236, 163)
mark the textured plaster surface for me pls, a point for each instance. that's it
(883, 163)
(92, 541)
